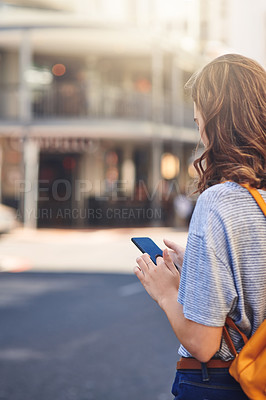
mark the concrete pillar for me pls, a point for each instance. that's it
(30, 148)
(157, 116)
(177, 90)
(25, 63)
(31, 172)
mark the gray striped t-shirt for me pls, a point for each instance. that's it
(224, 268)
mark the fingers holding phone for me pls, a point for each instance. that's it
(177, 252)
(161, 280)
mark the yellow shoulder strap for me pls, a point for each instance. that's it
(257, 196)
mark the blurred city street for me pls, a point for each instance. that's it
(77, 324)
(97, 145)
(96, 250)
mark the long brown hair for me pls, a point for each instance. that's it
(230, 93)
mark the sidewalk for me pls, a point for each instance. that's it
(95, 250)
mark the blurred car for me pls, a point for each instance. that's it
(8, 219)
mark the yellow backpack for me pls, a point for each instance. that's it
(249, 365)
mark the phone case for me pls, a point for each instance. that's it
(146, 245)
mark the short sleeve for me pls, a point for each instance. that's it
(207, 291)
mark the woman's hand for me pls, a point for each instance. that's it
(161, 281)
(176, 253)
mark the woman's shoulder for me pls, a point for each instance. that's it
(228, 193)
(221, 195)
(226, 202)
(222, 202)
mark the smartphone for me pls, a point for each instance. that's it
(146, 245)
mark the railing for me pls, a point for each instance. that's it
(71, 100)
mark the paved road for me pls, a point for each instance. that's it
(82, 336)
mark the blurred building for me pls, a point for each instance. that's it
(95, 126)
